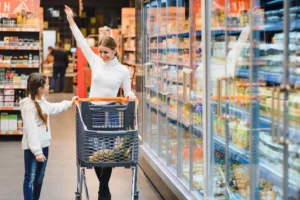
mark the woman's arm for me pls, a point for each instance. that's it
(126, 83)
(81, 42)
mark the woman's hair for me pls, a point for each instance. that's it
(109, 42)
(34, 82)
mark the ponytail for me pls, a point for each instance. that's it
(39, 110)
(34, 82)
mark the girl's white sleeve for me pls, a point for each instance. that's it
(30, 127)
(126, 83)
(56, 108)
(85, 48)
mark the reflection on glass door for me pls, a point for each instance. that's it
(147, 81)
(291, 126)
(196, 98)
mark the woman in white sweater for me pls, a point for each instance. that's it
(108, 74)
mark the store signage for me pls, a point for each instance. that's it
(10, 8)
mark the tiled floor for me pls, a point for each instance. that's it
(60, 180)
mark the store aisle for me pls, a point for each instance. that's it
(60, 180)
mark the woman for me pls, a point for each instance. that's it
(108, 74)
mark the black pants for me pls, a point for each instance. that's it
(103, 174)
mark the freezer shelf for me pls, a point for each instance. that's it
(266, 169)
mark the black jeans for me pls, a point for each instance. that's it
(104, 173)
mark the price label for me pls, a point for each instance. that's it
(13, 65)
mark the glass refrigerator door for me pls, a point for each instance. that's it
(152, 75)
(196, 98)
(291, 126)
(162, 68)
(148, 81)
(171, 82)
(184, 74)
(244, 69)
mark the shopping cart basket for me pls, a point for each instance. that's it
(106, 136)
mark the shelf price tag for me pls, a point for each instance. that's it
(13, 65)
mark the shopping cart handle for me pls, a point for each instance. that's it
(107, 99)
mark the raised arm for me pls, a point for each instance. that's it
(81, 42)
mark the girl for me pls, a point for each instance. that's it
(37, 137)
(108, 74)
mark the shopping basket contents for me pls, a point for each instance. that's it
(106, 136)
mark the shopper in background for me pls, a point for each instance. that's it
(61, 62)
(108, 74)
(35, 110)
(50, 59)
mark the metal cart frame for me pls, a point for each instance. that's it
(127, 126)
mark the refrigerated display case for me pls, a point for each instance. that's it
(221, 94)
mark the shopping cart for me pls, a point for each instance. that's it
(106, 136)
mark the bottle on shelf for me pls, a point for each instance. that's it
(17, 97)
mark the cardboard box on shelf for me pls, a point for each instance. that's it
(9, 98)
(4, 121)
(8, 104)
(9, 92)
(12, 122)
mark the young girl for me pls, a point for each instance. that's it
(108, 74)
(37, 137)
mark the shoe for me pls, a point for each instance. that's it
(51, 91)
(104, 194)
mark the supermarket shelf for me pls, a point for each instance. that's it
(270, 77)
(265, 123)
(129, 63)
(11, 132)
(171, 63)
(241, 155)
(165, 48)
(187, 33)
(129, 49)
(19, 66)
(9, 108)
(129, 36)
(12, 86)
(19, 30)
(19, 48)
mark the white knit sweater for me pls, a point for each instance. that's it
(106, 77)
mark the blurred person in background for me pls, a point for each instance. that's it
(61, 62)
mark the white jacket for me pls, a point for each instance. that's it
(36, 136)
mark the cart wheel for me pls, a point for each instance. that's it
(78, 197)
(136, 196)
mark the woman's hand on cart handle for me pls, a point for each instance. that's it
(131, 96)
(40, 158)
(70, 15)
(74, 99)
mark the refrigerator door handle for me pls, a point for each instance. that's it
(273, 114)
(219, 95)
(163, 78)
(187, 81)
(278, 115)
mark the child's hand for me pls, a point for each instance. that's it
(40, 158)
(74, 99)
